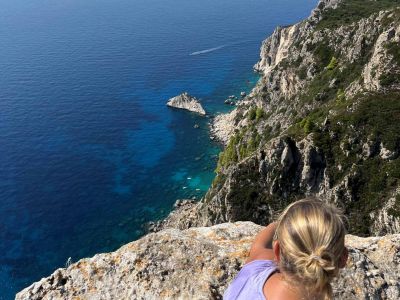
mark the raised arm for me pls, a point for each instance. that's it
(262, 245)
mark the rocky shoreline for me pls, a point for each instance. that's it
(223, 126)
(220, 127)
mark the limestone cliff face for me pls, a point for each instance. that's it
(199, 263)
(293, 62)
(319, 122)
(258, 187)
(294, 57)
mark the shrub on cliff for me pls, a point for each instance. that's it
(351, 11)
(332, 64)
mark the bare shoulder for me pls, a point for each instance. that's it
(276, 288)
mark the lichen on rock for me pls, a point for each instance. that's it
(199, 263)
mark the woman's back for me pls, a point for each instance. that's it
(250, 281)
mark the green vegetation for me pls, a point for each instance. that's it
(256, 113)
(267, 133)
(374, 115)
(340, 96)
(393, 77)
(375, 182)
(298, 61)
(351, 11)
(259, 113)
(393, 49)
(331, 81)
(302, 72)
(389, 79)
(333, 64)
(218, 181)
(319, 88)
(308, 125)
(373, 118)
(252, 114)
(330, 84)
(229, 155)
(391, 17)
(322, 53)
(246, 193)
(395, 210)
(240, 146)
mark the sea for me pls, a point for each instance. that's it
(89, 152)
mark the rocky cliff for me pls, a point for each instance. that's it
(324, 120)
(199, 263)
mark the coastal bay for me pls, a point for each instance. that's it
(321, 121)
(89, 151)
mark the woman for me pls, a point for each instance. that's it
(295, 258)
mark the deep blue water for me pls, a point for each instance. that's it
(88, 149)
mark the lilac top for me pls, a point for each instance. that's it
(249, 282)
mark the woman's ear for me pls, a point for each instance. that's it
(343, 258)
(277, 250)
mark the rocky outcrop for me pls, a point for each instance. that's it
(185, 101)
(384, 221)
(276, 47)
(221, 126)
(162, 266)
(158, 266)
(372, 271)
(175, 219)
(316, 14)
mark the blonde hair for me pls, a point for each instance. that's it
(311, 238)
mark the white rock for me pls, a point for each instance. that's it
(185, 101)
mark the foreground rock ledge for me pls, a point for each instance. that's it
(185, 101)
(199, 263)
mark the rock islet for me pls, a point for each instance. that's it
(187, 102)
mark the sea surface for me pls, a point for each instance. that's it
(88, 149)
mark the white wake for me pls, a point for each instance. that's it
(207, 50)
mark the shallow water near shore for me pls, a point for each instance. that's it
(89, 151)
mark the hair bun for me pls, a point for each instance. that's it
(323, 258)
(320, 266)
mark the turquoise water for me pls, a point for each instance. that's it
(89, 151)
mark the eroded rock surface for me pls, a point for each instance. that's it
(199, 263)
